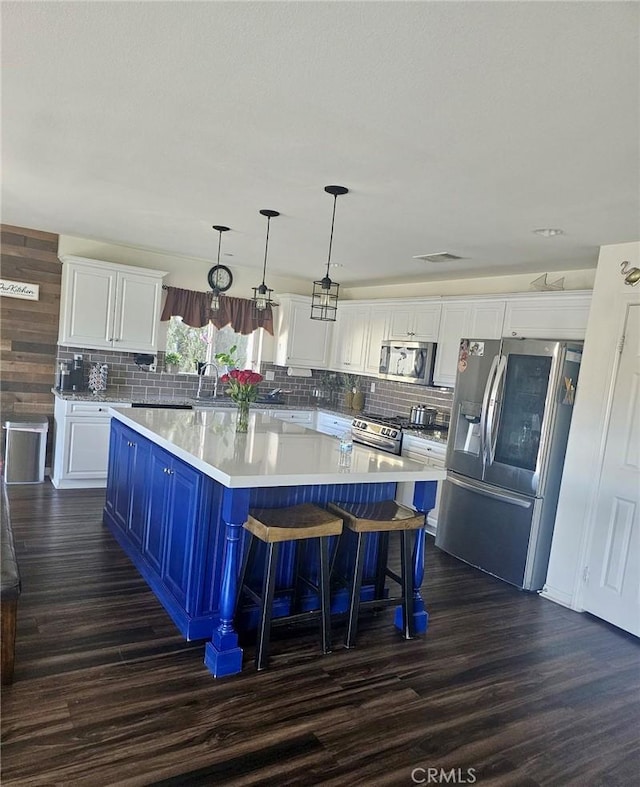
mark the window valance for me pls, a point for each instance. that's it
(195, 309)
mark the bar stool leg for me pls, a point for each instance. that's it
(354, 600)
(381, 563)
(408, 629)
(325, 596)
(246, 559)
(268, 589)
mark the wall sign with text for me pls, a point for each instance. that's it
(20, 289)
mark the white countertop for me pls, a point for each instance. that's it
(271, 453)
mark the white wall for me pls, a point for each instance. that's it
(189, 273)
(584, 449)
(482, 285)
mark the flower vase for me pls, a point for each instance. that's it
(348, 399)
(358, 401)
(242, 418)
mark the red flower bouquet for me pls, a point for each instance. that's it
(242, 384)
(243, 388)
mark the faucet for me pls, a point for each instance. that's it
(203, 369)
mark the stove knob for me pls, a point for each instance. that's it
(394, 434)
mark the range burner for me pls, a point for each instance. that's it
(382, 419)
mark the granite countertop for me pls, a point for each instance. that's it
(436, 436)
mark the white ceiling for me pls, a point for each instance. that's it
(457, 126)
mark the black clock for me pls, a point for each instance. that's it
(220, 278)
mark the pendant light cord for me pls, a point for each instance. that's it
(219, 242)
(333, 219)
(266, 246)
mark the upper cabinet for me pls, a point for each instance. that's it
(363, 325)
(414, 320)
(359, 332)
(300, 341)
(351, 336)
(109, 306)
(549, 315)
(470, 319)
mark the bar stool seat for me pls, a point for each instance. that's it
(274, 526)
(383, 518)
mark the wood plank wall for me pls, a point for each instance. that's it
(29, 329)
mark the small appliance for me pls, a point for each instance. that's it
(408, 362)
(71, 376)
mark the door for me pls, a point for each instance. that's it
(87, 306)
(477, 366)
(181, 525)
(519, 410)
(155, 526)
(486, 527)
(612, 589)
(120, 472)
(136, 314)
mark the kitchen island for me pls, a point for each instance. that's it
(179, 489)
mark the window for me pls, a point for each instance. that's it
(200, 345)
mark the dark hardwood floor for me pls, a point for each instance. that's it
(506, 687)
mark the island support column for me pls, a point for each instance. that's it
(424, 499)
(222, 655)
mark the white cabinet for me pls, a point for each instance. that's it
(109, 306)
(469, 319)
(300, 341)
(559, 315)
(350, 338)
(432, 454)
(302, 417)
(378, 331)
(331, 424)
(81, 443)
(415, 320)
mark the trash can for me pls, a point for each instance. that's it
(25, 449)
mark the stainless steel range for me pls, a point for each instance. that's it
(378, 431)
(385, 431)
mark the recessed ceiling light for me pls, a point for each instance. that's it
(547, 232)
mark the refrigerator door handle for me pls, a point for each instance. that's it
(483, 412)
(492, 432)
(503, 497)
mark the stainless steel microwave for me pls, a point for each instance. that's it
(408, 362)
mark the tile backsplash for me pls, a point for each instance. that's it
(129, 381)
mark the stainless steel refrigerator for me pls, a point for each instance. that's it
(510, 421)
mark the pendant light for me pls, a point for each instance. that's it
(324, 299)
(262, 294)
(215, 295)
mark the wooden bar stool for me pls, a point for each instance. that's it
(275, 526)
(383, 518)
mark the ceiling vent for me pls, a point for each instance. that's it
(438, 256)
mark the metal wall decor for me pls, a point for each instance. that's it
(262, 293)
(324, 299)
(631, 275)
(219, 277)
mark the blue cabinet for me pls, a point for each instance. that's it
(126, 487)
(165, 515)
(182, 517)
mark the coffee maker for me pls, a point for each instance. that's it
(71, 375)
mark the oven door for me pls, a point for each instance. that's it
(376, 441)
